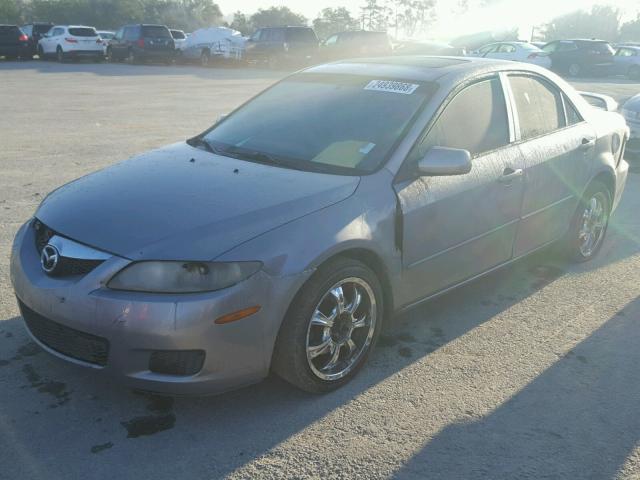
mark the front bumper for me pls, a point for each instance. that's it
(136, 325)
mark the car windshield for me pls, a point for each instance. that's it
(177, 35)
(339, 124)
(83, 32)
(157, 31)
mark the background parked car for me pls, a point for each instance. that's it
(279, 46)
(140, 43)
(13, 43)
(626, 61)
(179, 39)
(72, 41)
(353, 44)
(631, 112)
(106, 36)
(516, 52)
(35, 31)
(429, 48)
(580, 57)
(214, 44)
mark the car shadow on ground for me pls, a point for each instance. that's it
(584, 403)
(61, 407)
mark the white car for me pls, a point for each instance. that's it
(106, 35)
(515, 51)
(71, 41)
(179, 38)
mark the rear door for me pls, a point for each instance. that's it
(556, 144)
(9, 36)
(456, 227)
(623, 60)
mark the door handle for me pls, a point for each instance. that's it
(509, 175)
(587, 143)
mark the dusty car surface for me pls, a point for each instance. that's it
(285, 245)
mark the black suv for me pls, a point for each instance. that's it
(282, 46)
(35, 31)
(13, 43)
(354, 44)
(580, 57)
(139, 43)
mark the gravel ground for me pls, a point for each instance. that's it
(529, 373)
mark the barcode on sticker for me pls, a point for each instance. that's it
(391, 86)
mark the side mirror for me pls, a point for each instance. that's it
(441, 161)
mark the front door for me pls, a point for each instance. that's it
(456, 227)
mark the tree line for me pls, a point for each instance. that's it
(401, 18)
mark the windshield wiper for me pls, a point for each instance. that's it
(199, 142)
(254, 155)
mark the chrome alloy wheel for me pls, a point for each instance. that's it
(594, 222)
(341, 328)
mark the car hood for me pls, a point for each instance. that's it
(181, 203)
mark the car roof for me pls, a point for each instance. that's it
(421, 68)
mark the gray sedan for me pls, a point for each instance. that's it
(283, 238)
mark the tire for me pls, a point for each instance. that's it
(109, 55)
(60, 55)
(575, 245)
(273, 62)
(205, 58)
(574, 70)
(132, 58)
(305, 350)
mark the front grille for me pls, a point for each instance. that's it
(176, 362)
(65, 340)
(66, 266)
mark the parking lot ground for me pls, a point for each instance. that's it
(531, 372)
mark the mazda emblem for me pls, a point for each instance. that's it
(49, 258)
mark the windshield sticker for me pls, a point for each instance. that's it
(391, 87)
(367, 148)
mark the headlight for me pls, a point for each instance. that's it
(181, 277)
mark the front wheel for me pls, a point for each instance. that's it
(574, 70)
(205, 58)
(589, 225)
(331, 327)
(60, 55)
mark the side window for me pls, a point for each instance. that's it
(567, 46)
(277, 35)
(487, 49)
(484, 130)
(573, 116)
(332, 40)
(539, 106)
(256, 36)
(506, 48)
(130, 33)
(550, 47)
(118, 35)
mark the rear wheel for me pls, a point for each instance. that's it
(40, 53)
(109, 55)
(331, 327)
(589, 225)
(205, 58)
(132, 58)
(574, 70)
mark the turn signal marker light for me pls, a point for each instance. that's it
(239, 315)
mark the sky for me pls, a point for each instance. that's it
(503, 14)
